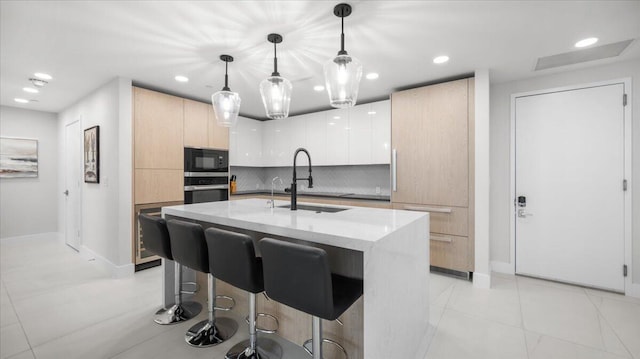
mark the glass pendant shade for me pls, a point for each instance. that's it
(342, 76)
(226, 106)
(276, 96)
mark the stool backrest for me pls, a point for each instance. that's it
(298, 276)
(155, 235)
(232, 258)
(188, 245)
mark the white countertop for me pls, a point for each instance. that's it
(357, 228)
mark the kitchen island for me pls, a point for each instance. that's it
(388, 249)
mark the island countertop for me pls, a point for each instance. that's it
(356, 228)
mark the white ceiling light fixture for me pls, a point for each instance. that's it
(38, 82)
(20, 100)
(440, 59)
(181, 78)
(342, 74)
(226, 104)
(30, 90)
(276, 90)
(372, 76)
(586, 42)
(43, 76)
(318, 88)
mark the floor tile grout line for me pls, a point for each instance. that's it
(18, 317)
(601, 315)
(524, 329)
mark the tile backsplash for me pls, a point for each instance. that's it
(361, 179)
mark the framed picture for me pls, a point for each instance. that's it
(18, 157)
(92, 155)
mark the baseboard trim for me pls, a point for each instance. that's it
(31, 237)
(481, 280)
(633, 290)
(122, 271)
(503, 267)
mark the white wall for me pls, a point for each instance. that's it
(482, 273)
(106, 207)
(500, 147)
(28, 205)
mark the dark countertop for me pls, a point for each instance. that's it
(319, 194)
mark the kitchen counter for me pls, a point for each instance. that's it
(394, 247)
(369, 197)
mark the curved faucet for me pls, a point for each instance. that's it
(273, 184)
(294, 184)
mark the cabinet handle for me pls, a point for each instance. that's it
(428, 209)
(394, 169)
(440, 238)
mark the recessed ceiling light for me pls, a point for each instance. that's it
(332, 123)
(371, 113)
(20, 100)
(318, 88)
(440, 59)
(586, 42)
(336, 117)
(42, 76)
(30, 90)
(181, 78)
(372, 75)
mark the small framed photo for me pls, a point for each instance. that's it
(92, 155)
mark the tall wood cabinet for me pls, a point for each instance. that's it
(432, 136)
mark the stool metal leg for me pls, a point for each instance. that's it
(252, 349)
(180, 311)
(211, 331)
(317, 340)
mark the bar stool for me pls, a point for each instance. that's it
(157, 241)
(189, 247)
(299, 276)
(233, 260)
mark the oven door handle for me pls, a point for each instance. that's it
(206, 174)
(205, 188)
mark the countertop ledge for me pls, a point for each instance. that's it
(368, 197)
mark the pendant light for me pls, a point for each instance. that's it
(276, 90)
(342, 74)
(226, 104)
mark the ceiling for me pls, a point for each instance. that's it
(84, 44)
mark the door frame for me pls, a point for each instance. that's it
(628, 253)
(80, 188)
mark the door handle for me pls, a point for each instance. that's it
(66, 192)
(523, 214)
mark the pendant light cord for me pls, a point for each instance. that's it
(275, 61)
(342, 52)
(226, 77)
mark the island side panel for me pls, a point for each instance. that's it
(396, 294)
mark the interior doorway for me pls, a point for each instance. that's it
(571, 213)
(72, 181)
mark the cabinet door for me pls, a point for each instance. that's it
(218, 135)
(380, 114)
(158, 130)
(282, 142)
(360, 135)
(298, 139)
(196, 118)
(430, 135)
(316, 131)
(337, 137)
(249, 142)
(158, 185)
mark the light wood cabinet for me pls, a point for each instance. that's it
(158, 185)
(196, 122)
(218, 135)
(158, 130)
(432, 132)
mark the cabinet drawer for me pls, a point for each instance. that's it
(451, 252)
(443, 219)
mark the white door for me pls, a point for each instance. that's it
(73, 179)
(570, 168)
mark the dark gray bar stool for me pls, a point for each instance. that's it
(233, 260)
(299, 276)
(189, 247)
(157, 240)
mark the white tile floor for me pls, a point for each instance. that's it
(53, 304)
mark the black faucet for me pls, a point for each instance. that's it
(294, 185)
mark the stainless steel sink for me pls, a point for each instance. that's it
(317, 209)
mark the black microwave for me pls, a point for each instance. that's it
(205, 160)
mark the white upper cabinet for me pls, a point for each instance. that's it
(298, 139)
(360, 135)
(380, 115)
(337, 145)
(316, 138)
(246, 143)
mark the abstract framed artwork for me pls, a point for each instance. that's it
(92, 155)
(18, 157)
